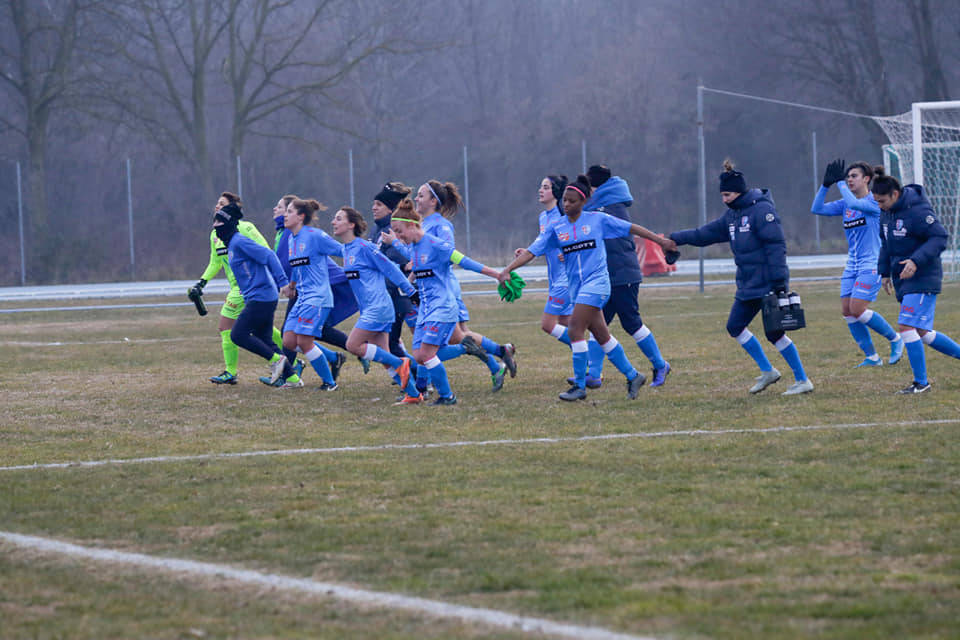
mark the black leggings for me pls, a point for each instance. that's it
(741, 313)
(253, 330)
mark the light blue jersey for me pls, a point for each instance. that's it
(556, 273)
(366, 269)
(256, 268)
(584, 254)
(308, 253)
(431, 264)
(861, 224)
(436, 225)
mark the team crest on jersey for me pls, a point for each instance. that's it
(423, 259)
(744, 224)
(352, 259)
(898, 229)
(585, 229)
(848, 214)
(563, 235)
(929, 219)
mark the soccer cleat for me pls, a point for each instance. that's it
(660, 375)
(441, 401)
(329, 387)
(292, 385)
(508, 352)
(224, 378)
(471, 348)
(404, 373)
(592, 383)
(405, 399)
(869, 362)
(798, 387)
(266, 380)
(336, 366)
(365, 364)
(915, 387)
(298, 367)
(896, 351)
(573, 394)
(764, 380)
(276, 369)
(498, 378)
(633, 386)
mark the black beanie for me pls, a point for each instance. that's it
(557, 185)
(732, 181)
(598, 174)
(389, 197)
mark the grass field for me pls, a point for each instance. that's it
(716, 515)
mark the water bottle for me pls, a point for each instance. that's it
(794, 299)
(783, 301)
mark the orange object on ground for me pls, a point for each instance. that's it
(651, 258)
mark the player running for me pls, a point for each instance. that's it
(860, 281)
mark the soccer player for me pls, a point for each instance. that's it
(233, 304)
(439, 310)
(860, 282)
(912, 241)
(308, 250)
(556, 313)
(258, 273)
(751, 226)
(579, 236)
(367, 270)
(611, 195)
(436, 204)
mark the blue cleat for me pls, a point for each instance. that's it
(592, 383)
(896, 351)
(870, 362)
(660, 375)
(224, 378)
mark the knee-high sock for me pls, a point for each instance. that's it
(560, 333)
(861, 336)
(376, 354)
(918, 360)
(449, 352)
(491, 347)
(579, 349)
(319, 364)
(618, 357)
(789, 352)
(877, 322)
(231, 352)
(438, 375)
(329, 354)
(942, 343)
(595, 358)
(752, 346)
(423, 378)
(648, 344)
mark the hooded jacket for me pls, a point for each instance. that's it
(752, 228)
(613, 197)
(910, 230)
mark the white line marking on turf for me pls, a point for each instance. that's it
(14, 343)
(433, 608)
(472, 443)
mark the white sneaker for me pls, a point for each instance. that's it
(276, 369)
(292, 385)
(764, 380)
(801, 386)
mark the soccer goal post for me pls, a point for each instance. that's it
(925, 149)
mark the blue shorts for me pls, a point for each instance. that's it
(917, 310)
(435, 333)
(558, 302)
(597, 300)
(373, 325)
(306, 319)
(863, 286)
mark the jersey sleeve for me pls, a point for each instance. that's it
(865, 204)
(710, 233)
(544, 242)
(213, 267)
(323, 243)
(390, 270)
(822, 208)
(614, 227)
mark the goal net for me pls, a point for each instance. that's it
(925, 149)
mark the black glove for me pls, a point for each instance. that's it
(415, 298)
(197, 288)
(671, 257)
(834, 173)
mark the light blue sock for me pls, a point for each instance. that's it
(329, 354)
(579, 350)
(560, 333)
(918, 359)
(877, 322)
(618, 357)
(595, 359)
(450, 351)
(861, 336)
(387, 358)
(423, 377)
(789, 352)
(492, 364)
(491, 347)
(648, 344)
(438, 375)
(319, 364)
(752, 346)
(942, 343)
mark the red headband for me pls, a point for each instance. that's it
(570, 186)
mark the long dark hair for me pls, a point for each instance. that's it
(884, 185)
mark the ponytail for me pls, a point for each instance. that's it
(448, 198)
(884, 185)
(307, 208)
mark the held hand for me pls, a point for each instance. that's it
(516, 254)
(887, 285)
(668, 244)
(387, 237)
(909, 269)
(503, 276)
(834, 173)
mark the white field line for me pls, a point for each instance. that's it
(16, 343)
(423, 606)
(472, 443)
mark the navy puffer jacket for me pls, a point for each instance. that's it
(752, 227)
(910, 230)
